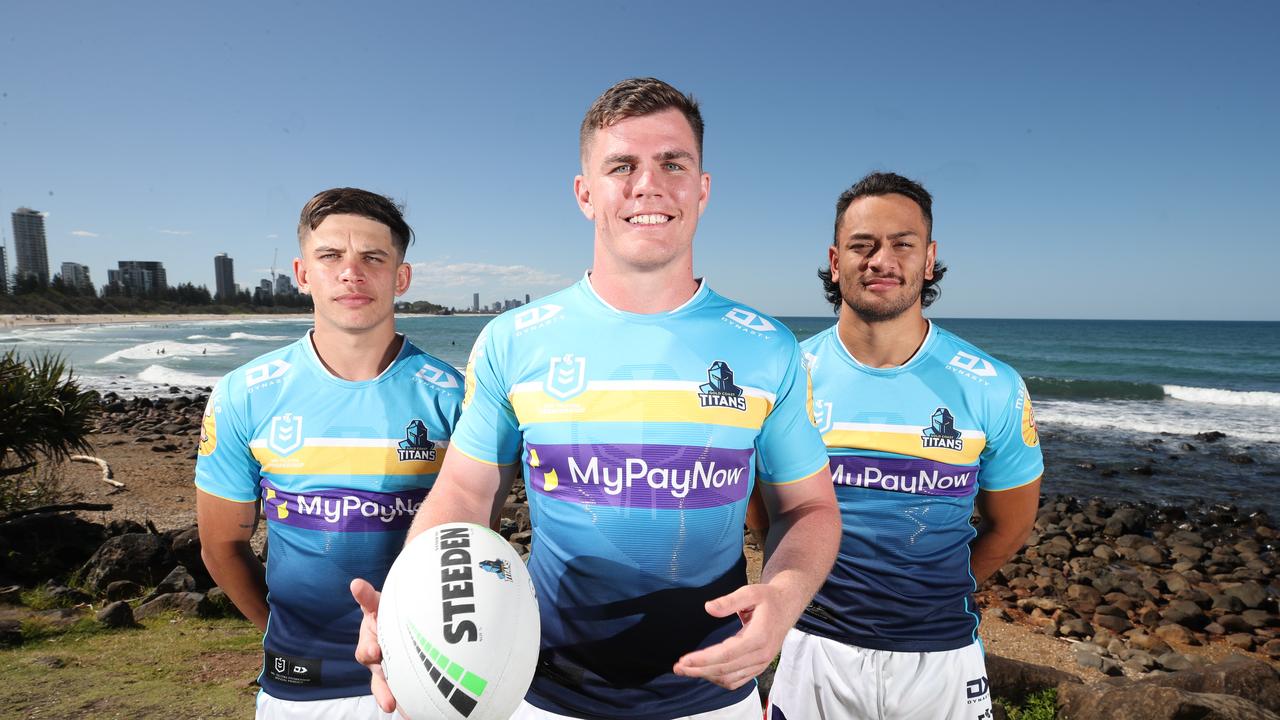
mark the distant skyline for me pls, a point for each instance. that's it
(1087, 161)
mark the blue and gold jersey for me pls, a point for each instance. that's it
(340, 468)
(641, 437)
(910, 448)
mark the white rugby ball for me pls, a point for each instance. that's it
(458, 625)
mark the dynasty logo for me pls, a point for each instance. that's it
(942, 432)
(416, 445)
(719, 390)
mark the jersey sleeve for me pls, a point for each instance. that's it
(225, 467)
(789, 447)
(1012, 456)
(488, 430)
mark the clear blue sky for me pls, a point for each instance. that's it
(1088, 160)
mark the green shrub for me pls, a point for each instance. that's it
(1039, 706)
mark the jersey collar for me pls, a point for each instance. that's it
(698, 296)
(919, 353)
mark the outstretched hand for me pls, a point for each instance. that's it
(368, 652)
(735, 661)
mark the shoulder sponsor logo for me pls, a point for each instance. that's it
(971, 366)
(567, 376)
(273, 370)
(719, 390)
(1030, 432)
(416, 445)
(822, 415)
(286, 434)
(536, 317)
(942, 432)
(749, 321)
(437, 376)
(209, 425)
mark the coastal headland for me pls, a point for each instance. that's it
(1142, 599)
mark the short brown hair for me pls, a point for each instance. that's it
(354, 201)
(636, 97)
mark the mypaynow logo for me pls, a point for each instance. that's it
(917, 477)
(660, 477)
(338, 510)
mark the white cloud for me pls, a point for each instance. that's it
(175, 232)
(84, 233)
(452, 283)
(272, 236)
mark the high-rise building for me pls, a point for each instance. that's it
(224, 278)
(4, 272)
(262, 293)
(29, 241)
(475, 302)
(526, 298)
(141, 277)
(76, 276)
(284, 286)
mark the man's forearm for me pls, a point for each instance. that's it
(800, 550)
(992, 548)
(240, 574)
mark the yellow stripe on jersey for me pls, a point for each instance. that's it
(344, 460)
(903, 443)
(640, 406)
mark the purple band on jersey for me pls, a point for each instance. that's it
(904, 475)
(339, 510)
(660, 477)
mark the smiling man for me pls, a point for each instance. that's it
(336, 438)
(644, 407)
(919, 425)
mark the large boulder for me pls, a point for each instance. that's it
(1015, 680)
(187, 603)
(39, 547)
(1238, 675)
(1145, 701)
(140, 557)
(185, 546)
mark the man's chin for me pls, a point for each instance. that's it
(881, 311)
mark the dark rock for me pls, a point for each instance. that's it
(1238, 675)
(1258, 618)
(63, 595)
(1104, 552)
(177, 581)
(1228, 603)
(1150, 555)
(1251, 594)
(139, 557)
(123, 590)
(1083, 597)
(117, 614)
(1111, 622)
(1235, 624)
(1015, 681)
(1174, 661)
(1240, 641)
(1175, 582)
(187, 603)
(1150, 643)
(1142, 701)
(1075, 627)
(1211, 436)
(10, 633)
(1271, 648)
(1186, 613)
(11, 595)
(220, 605)
(1240, 459)
(38, 547)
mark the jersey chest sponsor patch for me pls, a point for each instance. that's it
(660, 477)
(341, 510)
(905, 475)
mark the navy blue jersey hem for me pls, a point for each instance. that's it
(879, 643)
(723, 701)
(281, 691)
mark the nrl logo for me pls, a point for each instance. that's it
(286, 434)
(416, 445)
(567, 376)
(822, 415)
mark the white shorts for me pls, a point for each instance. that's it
(746, 709)
(821, 679)
(362, 707)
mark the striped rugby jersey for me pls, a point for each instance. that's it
(641, 437)
(910, 448)
(340, 468)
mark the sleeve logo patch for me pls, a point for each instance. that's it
(1030, 433)
(209, 427)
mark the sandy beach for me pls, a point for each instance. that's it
(13, 321)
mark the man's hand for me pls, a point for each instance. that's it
(368, 652)
(734, 662)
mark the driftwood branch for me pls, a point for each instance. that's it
(54, 508)
(106, 469)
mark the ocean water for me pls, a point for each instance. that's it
(1119, 402)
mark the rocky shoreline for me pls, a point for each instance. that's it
(1141, 590)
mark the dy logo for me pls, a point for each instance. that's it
(567, 376)
(973, 364)
(437, 376)
(822, 415)
(749, 320)
(286, 434)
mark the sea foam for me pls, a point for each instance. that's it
(1216, 396)
(151, 351)
(161, 375)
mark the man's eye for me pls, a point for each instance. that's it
(621, 170)
(373, 259)
(328, 256)
(674, 166)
